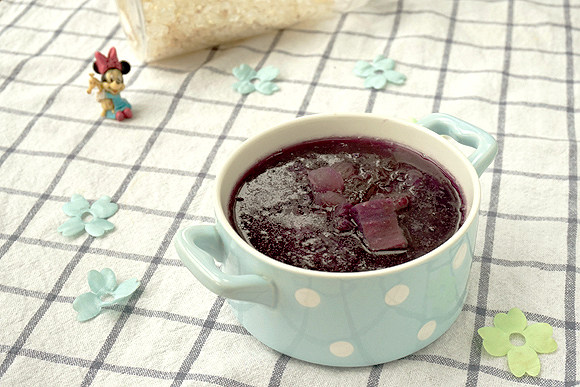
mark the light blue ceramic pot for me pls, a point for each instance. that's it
(344, 319)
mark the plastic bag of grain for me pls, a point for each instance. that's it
(162, 28)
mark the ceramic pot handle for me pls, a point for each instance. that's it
(466, 134)
(199, 247)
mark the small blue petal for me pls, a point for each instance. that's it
(97, 227)
(244, 87)
(267, 87)
(103, 208)
(125, 289)
(376, 81)
(71, 227)
(103, 282)
(385, 64)
(267, 73)
(88, 305)
(77, 206)
(244, 72)
(395, 77)
(363, 69)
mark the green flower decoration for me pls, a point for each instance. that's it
(104, 292)
(378, 73)
(248, 75)
(90, 219)
(522, 359)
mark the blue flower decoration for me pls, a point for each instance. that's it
(247, 75)
(378, 73)
(79, 211)
(104, 292)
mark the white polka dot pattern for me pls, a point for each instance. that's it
(397, 294)
(427, 330)
(307, 297)
(341, 349)
(460, 256)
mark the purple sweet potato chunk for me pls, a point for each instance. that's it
(345, 169)
(343, 224)
(343, 210)
(342, 217)
(328, 198)
(377, 220)
(325, 179)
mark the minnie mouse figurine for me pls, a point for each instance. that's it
(110, 85)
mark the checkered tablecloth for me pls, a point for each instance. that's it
(511, 67)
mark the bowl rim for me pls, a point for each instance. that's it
(222, 218)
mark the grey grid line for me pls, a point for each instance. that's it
(131, 207)
(288, 53)
(25, 334)
(350, 33)
(445, 59)
(157, 374)
(108, 124)
(278, 371)
(485, 266)
(105, 349)
(493, 261)
(521, 1)
(281, 366)
(19, 343)
(530, 137)
(391, 91)
(436, 359)
(450, 17)
(126, 370)
(19, 16)
(530, 316)
(535, 175)
(570, 284)
(279, 110)
(34, 294)
(375, 375)
(403, 63)
(160, 314)
(43, 48)
(429, 96)
(91, 250)
(532, 218)
(61, 8)
(545, 4)
(461, 43)
(394, 29)
(52, 96)
(33, 322)
(195, 351)
(320, 67)
(552, 267)
(238, 329)
(47, 30)
(492, 371)
(57, 155)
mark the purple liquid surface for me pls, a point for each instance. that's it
(273, 208)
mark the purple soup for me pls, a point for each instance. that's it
(346, 205)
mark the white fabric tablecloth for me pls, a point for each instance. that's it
(510, 67)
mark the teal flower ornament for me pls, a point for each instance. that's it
(250, 80)
(378, 73)
(522, 359)
(104, 292)
(90, 219)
